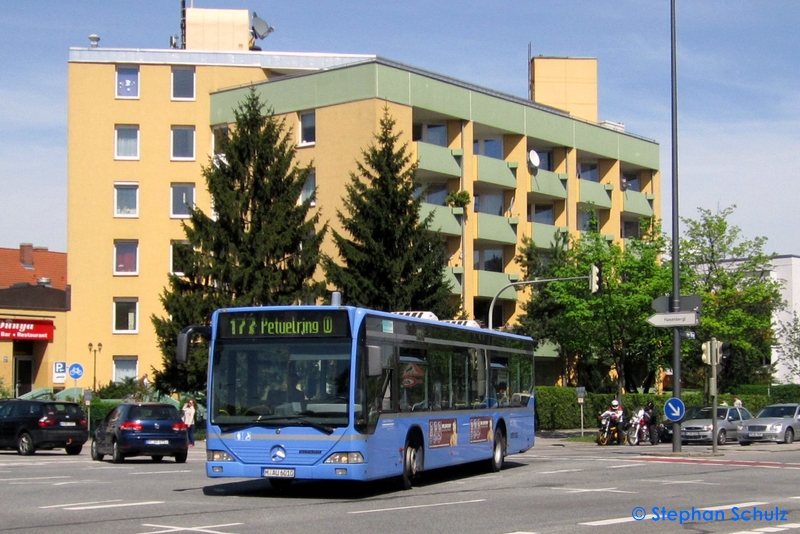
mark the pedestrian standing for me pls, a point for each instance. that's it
(736, 402)
(189, 413)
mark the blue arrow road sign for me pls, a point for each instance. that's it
(674, 409)
(75, 371)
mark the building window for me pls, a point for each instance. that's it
(432, 193)
(492, 147)
(183, 83)
(488, 259)
(126, 257)
(491, 203)
(434, 134)
(542, 213)
(125, 367)
(585, 218)
(183, 143)
(128, 82)
(308, 128)
(179, 257)
(182, 200)
(218, 133)
(126, 200)
(126, 312)
(545, 160)
(126, 142)
(630, 229)
(588, 172)
(309, 188)
(630, 181)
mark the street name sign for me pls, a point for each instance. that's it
(668, 320)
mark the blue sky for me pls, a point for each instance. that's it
(738, 84)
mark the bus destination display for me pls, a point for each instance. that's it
(290, 323)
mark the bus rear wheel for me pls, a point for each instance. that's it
(412, 455)
(498, 452)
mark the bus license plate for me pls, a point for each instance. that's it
(279, 473)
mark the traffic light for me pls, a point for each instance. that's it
(723, 353)
(707, 353)
(594, 278)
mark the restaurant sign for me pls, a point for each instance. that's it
(31, 329)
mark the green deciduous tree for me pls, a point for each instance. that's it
(731, 274)
(391, 261)
(788, 345)
(261, 245)
(608, 330)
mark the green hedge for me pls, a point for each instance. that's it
(558, 407)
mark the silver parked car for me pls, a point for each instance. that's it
(777, 422)
(696, 426)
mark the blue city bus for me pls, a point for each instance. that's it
(347, 393)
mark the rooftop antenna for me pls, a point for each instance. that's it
(259, 30)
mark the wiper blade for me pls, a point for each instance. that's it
(297, 420)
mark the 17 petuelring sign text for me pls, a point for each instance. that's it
(32, 329)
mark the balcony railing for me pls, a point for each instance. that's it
(595, 193)
(496, 172)
(437, 159)
(636, 202)
(549, 183)
(497, 229)
(489, 283)
(444, 220)
(543, 235)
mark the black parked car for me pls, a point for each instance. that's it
(31, 425)
(141, 429)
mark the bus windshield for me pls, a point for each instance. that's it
(280, 382)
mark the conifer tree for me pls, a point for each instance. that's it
(392, 260)
(259, 247)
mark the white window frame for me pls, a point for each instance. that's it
(117, 129)
(135, 271)
(126, 300)
(134, 359)
(172, 155)
(194, 84)
(301, 140)
(172, 187)
(138, 84)
(172, 245)
(118, 186)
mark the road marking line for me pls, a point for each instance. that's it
(189, 529)
(77, 504)
(559, 471)
(617, 520)
(729, 506)
(161, 472)
(582, 490)
(32, 478)
(416, 506)
(120, 505)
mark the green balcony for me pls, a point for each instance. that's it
(437, 159)
(548, 349)
(595, 193)
(637, 203)
(454, 275)
(489, 283)
(444, 220)
(496, 172)
(497, 229)
(543, 235)
(552, 184)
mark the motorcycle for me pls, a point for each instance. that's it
(610, 431)
(639, 430)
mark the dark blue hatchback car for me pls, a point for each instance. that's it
(141, 429)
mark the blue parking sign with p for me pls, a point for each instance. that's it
(60, 367)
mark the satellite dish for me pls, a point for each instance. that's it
(533, 159)
(260, 27)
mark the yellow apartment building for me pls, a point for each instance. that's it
(141, 126)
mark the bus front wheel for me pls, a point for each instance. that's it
(498, 452)
(412, 456)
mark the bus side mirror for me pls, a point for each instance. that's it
(374, 367)
(185, 339)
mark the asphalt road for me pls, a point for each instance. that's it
(553, 488)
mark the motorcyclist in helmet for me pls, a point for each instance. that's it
(617, 416)
(652, 422)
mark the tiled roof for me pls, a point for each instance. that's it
(46, 264)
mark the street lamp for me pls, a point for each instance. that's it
(94, 352)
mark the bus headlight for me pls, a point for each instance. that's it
(218, 456)
(345, 458)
